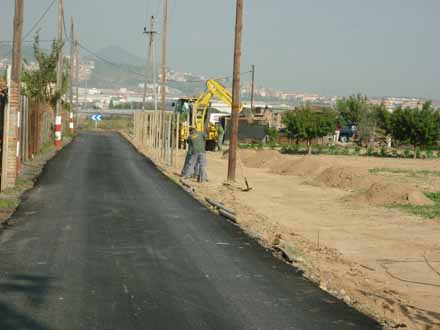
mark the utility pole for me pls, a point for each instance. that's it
(71, 75)
(59, 75)
(77, 76)
(12, 132)
(232, 163)
(164, 55)
(150, 62)
(153, 61)
(252, 87)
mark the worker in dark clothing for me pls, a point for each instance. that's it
(220, 135)
(189, 153)
(197, 145)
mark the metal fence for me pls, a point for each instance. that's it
(158, 133)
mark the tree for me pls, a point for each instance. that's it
(383, 121)
(418, 127)
(39, 84)
(383, 118)
(272, 134)
(305, 124)
(351, 108)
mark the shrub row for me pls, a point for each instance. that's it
(298, 149)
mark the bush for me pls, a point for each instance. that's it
(318, 150)
(370, 152)
(272, 134)
(333, 150)
(346, 151)
(407, 153)
(291, 149)
(383, 152)
(430, 153)
(357, 151)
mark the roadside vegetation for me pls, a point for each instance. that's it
(113, 123)
(424, 211)
(349, 150)
(412, 173)
(402, 133)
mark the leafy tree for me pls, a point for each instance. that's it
(351, 108)
(272, 134)
(383, 121)
(305, 124)
(383, 118)
(367, 127)
(40, 84)
(418, 127)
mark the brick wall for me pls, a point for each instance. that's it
(14, 108)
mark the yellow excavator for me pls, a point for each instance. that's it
(195, 112)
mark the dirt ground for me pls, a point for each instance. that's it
(326, 215)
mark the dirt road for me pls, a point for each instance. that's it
(105, 241)
(327, 213)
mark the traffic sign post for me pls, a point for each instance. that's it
(96, 118)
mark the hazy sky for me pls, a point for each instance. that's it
(378, 47)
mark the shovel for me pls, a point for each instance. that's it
(248, 187)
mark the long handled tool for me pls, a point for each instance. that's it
(248, 187)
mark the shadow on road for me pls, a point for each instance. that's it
(28, 288)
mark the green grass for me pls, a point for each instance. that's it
(8, 203)
(109, 124)
(412, 173)
(424, 211)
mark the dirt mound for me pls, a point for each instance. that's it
(386, 194)
(260, 159)
(344, 178)
(305, 166)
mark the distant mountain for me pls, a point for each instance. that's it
(106, 75)
(119, 55)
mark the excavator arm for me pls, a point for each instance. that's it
(201, 106)
(200, 112)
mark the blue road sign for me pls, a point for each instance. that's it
(97, 117)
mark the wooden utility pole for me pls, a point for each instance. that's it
(150, 62)
(77, 76)
(59, 85)
(252, 87)
(232, 163)
(164, 55)
(154, 63)
(71, 75)
(72, 62)
(13, 129)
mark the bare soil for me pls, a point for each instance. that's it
(327, 216)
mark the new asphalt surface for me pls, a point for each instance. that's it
(105, 241)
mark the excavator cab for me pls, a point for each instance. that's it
(195, 112)
(200, 120)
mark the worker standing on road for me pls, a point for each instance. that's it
(189, 153)
(220, 135)
(197, 145)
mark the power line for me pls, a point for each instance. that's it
(39, 20)
(34, 26)
(218, 78)
(65, 29)
(108, 61)
(101, 58)
(25, 41)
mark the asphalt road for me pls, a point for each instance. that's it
(105, 241)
